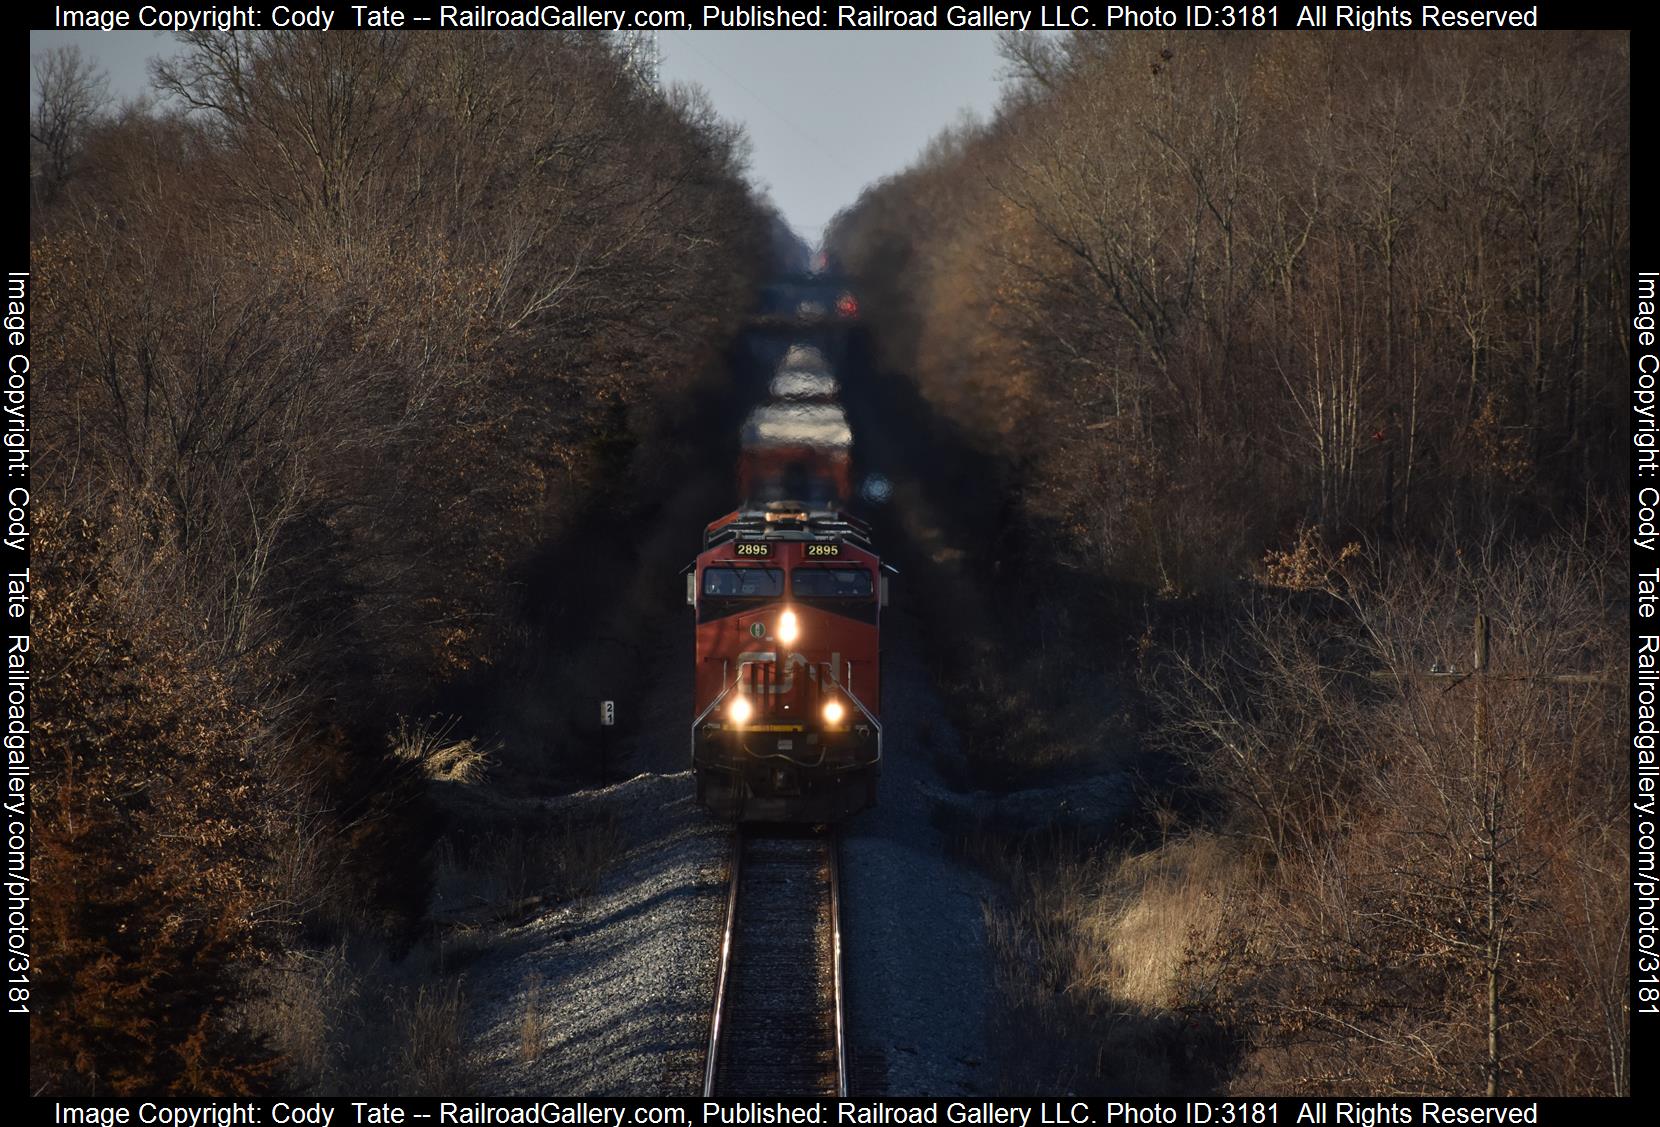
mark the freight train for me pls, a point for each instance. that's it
(806, 302)
(817, 312)
(787, 595)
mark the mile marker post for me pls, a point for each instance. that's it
(607, 721)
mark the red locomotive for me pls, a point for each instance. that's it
(788, 705)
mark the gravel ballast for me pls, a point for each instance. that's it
(622, 980)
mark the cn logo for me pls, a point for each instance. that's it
(786, 675)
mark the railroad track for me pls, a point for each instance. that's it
(777, 1026)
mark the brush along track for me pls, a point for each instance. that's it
(777, 1023)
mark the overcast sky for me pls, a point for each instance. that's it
(827, 112)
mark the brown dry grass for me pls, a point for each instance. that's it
(1116, 931)
(305, 1003)
(431, 1056)
(1158, 907)
(348, 1020)
(427, 743)
(505, 870)
(535, 1019)
(1091, 956)
(552, 862)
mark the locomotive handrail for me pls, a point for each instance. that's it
(725, 689)
(822, 524)
(844, 532)
(854, 697)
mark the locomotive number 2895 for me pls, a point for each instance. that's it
(823, 551)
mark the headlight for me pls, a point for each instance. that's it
(833, 712)
(788, 629)
(740, 710)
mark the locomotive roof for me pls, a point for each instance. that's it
(783, 520)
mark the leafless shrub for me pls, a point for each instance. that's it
(1269, 718)
(1447, 838)
(548, 862)
(307, 1004)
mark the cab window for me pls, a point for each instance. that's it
(830, 583)
(743, 582)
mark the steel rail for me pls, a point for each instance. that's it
(833, 845)
(722, 1012)
(718, 1015)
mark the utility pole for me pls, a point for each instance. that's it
(1490, 827)
(1486, 782)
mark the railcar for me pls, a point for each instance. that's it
(806, 356)
(787, 715)
(804, 385)
(818, 310)
(807, 302)
(796, 451)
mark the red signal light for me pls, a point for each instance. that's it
(847, 306)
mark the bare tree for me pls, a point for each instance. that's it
(344, 332)
(1434, 906)
(70, 94)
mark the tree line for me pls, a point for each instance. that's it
(1203, 289)
(336, 331)
(1289, 357)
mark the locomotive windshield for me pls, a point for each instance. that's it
(830, 583)
(743, 582)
